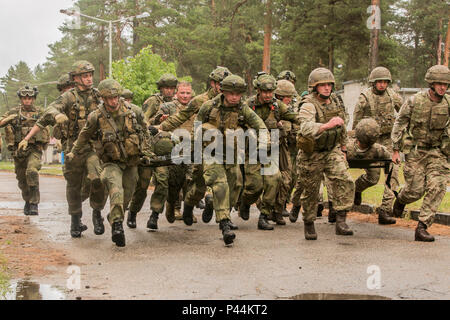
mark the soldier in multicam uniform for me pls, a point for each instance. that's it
(380, 103)
(122, 136)
(322, 141)
(167, 85)
(70, 111)
(27, 163)
(226, 111)
(365, 147)
(422, 132)
(290, 76)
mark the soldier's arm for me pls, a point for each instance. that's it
(176, 120)
(86, 133)
(401, 123)
(358, 113)
(307, 118)
(7, 118)
(398, 101)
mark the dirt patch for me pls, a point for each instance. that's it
(26, 254)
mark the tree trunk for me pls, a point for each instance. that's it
(331, 57)
(374, 39)
(447, 44)
(101, 68)
(439, 44)
(267, 37)
(135, 26)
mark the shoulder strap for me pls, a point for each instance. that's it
(113, 125)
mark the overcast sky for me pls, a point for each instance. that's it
(27, 27)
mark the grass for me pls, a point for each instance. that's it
(52, 169)
(4, 279)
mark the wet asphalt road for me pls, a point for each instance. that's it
(181, 262)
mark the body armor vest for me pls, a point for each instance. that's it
(273, 117)
(381, 108)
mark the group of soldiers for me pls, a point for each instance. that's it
(114, 149)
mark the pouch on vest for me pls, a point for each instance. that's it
(110, 146)
(439, 117)
(306, 144)
(132, 145)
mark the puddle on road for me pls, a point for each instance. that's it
(337, 296)
(29, 290)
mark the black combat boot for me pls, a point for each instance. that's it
(397, 211)
(209, 209)
(278, 219)
(201, 204)
(293, 215)
(26, 209)
(263, 224)
(342, 228)
(384, 217)
(285, 212)
(310, 231)
(331, 213)
(76, 227)
(118, 235)
(319, 210)
(422, 233)
(228, 235)
(358, 198)
(97, 221)
(34, 209)
(170, 212)
(244, 211)
(152, 222)
(131, 219)
(188, 214)
(232, 225)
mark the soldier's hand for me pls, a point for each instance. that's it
(58, 145)
(61, 118)
(23, 145)
(145, 160)
(396, 157)
(69, 156)
(163, 117)
(335, 122)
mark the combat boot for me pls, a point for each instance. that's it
(76, 227)
(342, 228)
(188, 214)
(97, 221)
(397, 211)
(228, 235)
(26, 209)
(310, 231)
(244, 211)
(293, 215)
(358, 198)
(384, 217)
(170, 212)
(209, 209)
(178, 215)
(152, 222)
(201, 204)
(285, 212)
(263, 224)
(422, 233)
(34, 209)
(331, 213)
(278, 219)
(319, 210)
(131, 219)
(118, 235)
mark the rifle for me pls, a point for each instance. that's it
(162, 161)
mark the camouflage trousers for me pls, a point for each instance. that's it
(82, 175)
(225, 181)
(270, 183)
(177, 183)
(196, 188)
(426, 173)
(160, 194)
(120, 181)
(311, 169)
(372, 176)
(27, 174)
(285, 187)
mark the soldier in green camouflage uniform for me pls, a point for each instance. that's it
(122, 138)
(128, 95)
(196, 187)
(167, 84)
(291, 77)
(70, 111)
(27, 163)
(380, 103)
(271, 111)
(322, 141)
(422, 132)
(364, 147)
(226, 111)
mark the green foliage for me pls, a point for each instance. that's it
(4, 279)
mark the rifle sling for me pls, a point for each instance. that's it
(113, 125)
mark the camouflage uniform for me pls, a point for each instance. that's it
(422, 132)
(152, 104)
(27, 163)
(380, 106)
(122, 138)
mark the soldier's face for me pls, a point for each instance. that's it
(286, 99)
(112, 102)
(168, 92)
(85, 79)
(440, 88)
(324, 89)
(232, 98)
(184, 94)
(215, 86)
(27, 101)
(265, 96)
(381, 85)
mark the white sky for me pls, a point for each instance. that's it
(27, 27)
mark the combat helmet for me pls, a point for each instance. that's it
(266, 82)
(285, 88)
(167, 80)
(438, 73)
(367, 131)
(80, 67)
(27, 91)
(162, 144)
(109, 88)
(233, 83)
(320, 75)
(127, 94)
(64, 82)
(287, 75)
(380, 73)
(219, 74)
